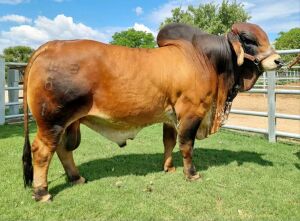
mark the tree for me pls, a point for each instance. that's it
(133, 39)
(17, 54)
(288, 40)
(211, 18)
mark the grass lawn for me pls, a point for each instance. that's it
(244, 178)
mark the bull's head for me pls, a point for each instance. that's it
(254, 53)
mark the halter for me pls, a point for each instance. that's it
(254, 59)
(257, 61)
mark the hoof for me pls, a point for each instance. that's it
(194, 177)
(44, 199)
(81, 180)
(42, 195)
(122, 144)
(169, 169)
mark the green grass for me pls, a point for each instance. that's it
(244, 178)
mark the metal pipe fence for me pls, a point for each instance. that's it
(11, 109)
(269, 88)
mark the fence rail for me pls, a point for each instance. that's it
(265, 114)
(277, 91)
(269, 84)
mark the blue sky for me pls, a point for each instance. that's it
(33, 22)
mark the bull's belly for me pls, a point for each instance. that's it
(117, 132)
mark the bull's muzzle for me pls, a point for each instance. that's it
(272, 62)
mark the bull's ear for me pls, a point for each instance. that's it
(237, 47)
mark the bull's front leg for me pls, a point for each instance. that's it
(187, 133)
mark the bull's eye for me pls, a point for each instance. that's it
(250, 42)
(248, 39)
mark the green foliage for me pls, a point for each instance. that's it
(17, 54)
(133, 39)
(244, 178)
(212, 18)
(288, 40)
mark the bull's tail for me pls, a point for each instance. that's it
(27, 159)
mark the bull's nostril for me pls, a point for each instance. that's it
(279, 62)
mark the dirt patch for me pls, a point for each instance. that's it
(285, 104)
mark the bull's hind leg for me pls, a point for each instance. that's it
(70, 141)
(169, 139)
(43, 147)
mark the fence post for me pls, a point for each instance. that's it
(13, 79)
(265, 78)
(2, 91)
(271, 106)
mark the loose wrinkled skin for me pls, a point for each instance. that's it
(117, 91)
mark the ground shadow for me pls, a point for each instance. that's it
(142, 164)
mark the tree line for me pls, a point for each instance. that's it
(211, 18)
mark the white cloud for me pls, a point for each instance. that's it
(275, 10)
(139, 10)
(110, 31)
(280, 26)
(275, 17)
(15, 18)
(142, 27)
(12, 2)
(45, 29)
(159, 14)
(248, 5)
